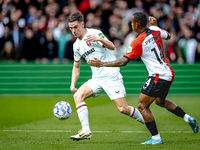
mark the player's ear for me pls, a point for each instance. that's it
(138, 25)
(83, 24)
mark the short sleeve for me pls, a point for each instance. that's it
(77, 55)
(99, 33)
(134, 50)
(164, 34)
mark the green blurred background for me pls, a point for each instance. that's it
(34, 78)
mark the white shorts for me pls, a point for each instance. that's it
(114, 88)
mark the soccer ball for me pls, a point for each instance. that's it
(62, 110)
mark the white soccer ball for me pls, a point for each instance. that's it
(62, 110)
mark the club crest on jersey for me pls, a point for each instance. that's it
(88, 43)
(129, 49)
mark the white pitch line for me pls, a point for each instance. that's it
(51, 131)
(159, 131)
(36, 130)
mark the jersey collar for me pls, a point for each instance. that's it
(144, 30)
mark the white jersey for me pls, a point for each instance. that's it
(148, 45)
(90, 50)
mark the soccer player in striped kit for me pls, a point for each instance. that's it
(148, 45)
(92, 43)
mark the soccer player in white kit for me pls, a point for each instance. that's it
(92, 43)
(148, 45)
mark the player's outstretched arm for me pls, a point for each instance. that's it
(116, 63)
(108, 44)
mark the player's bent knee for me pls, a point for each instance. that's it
(140, 107)
(78, 98)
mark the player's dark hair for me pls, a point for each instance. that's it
(76, 16)
(141, 18)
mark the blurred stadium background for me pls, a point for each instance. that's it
(37, 30)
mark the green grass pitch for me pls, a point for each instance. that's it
(27, 122)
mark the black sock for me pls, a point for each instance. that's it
(152, 127)
(179, 112)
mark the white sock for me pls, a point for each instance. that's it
(186, 116)
(156, 137)
(136, 115)
(83, 116)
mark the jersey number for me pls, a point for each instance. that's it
(159, 58)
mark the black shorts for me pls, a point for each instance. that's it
(156, 88)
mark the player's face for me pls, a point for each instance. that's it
(76, 28)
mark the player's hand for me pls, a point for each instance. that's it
(73, 90)
(152, 21)
(96, 63)
(93, 37)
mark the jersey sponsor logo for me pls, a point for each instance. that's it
(88, 43)
(129, 49)
(102, 35)
(88, 52)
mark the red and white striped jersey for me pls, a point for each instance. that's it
(149, 46)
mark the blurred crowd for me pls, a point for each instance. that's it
(37, 30)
